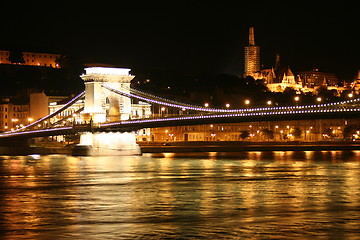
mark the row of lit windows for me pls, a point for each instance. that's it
(39, 56)
(20, 109)
(15, 109)
(6, 53)
(16, 115)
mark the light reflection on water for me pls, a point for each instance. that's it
(248, 195)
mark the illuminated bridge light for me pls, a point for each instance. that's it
(222, 113)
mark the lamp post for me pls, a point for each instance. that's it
(162, 110)
(247, 102)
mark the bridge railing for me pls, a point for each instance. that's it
(49, 116)
(131, 93)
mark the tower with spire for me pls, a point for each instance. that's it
(252, 56)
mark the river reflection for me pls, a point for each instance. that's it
(254, 195)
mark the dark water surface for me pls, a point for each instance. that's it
(256, 195)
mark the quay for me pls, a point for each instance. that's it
(227, 146)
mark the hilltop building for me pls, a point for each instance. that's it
(30, 58)
(315, 78)
(284, 78)
(279, 78)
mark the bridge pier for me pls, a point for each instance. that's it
(19, 146)
(106, 144)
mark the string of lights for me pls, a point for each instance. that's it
(349, 106)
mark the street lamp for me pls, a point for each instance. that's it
(297, 98)
(227, 105)
(247, 102)
(350, 95)
(269, 102)
(319, 99)
(206, 104)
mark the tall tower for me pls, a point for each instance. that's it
(102, 104)
(252, 56)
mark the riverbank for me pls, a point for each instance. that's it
(193, 147)
(158, 147)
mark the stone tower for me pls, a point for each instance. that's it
(102, 104)
(252, 56)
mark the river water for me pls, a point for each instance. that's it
(254, 195)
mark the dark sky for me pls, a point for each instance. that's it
(189, 36)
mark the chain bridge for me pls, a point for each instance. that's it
(104, 116)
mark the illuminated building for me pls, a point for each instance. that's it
(278, 78)
(252, 56)
(285, 79)
(13, 114)
(32, 59)
(314, 78)
(306, 130)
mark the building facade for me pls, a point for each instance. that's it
(32, 59)
(13, 114)
(315, 78)
(281, 131)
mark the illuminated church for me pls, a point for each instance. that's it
(278, 78)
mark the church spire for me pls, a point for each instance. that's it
(251, 37)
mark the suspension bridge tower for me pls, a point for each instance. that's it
(102, 105)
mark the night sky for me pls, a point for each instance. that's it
(189, 36)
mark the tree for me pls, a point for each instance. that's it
(267, 134)
(289, 91)
(348, 131)
(297, 132)
(16, 57)
(328, 132)
(244, 134)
